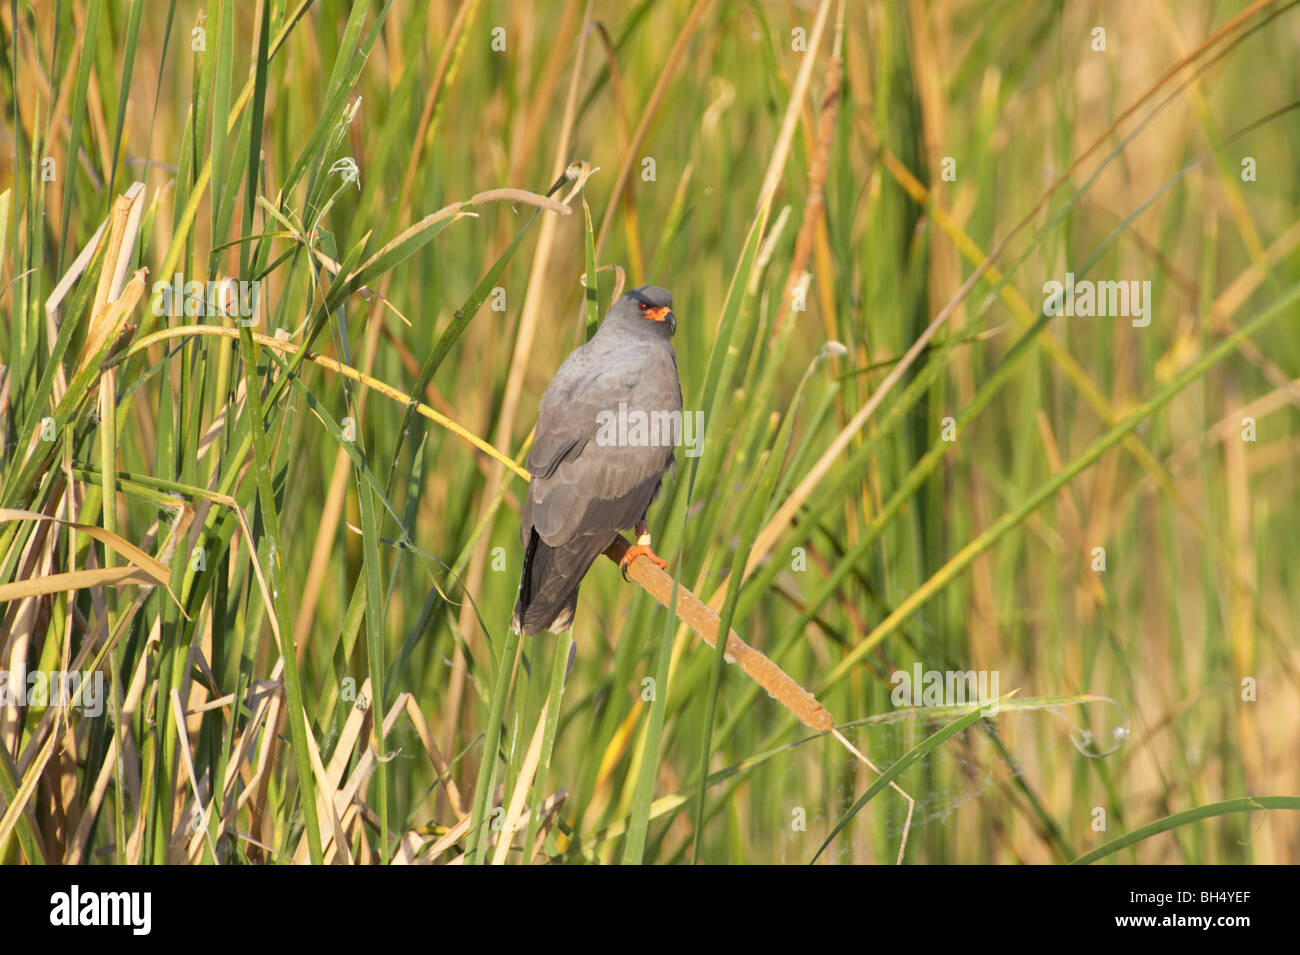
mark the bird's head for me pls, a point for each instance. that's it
(646, 310)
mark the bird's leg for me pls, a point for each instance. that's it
(640, 548)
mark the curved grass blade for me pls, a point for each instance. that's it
(896, 769)
(1242, 804)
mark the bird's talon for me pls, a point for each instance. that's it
(640, 550)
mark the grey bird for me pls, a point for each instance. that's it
(592, 476)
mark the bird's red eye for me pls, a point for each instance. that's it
(644, 307)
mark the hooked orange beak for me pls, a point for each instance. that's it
(657, 314)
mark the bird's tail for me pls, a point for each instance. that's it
(548, 589)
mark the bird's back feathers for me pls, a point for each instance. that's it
(584, 489)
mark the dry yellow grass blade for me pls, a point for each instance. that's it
(449, 839)
(130, 765)
(264, 699)
(456, 211)
(440, 764)
(353, 790)
(75, 580)
(523, 782)
(617, 746)
(114, 299)
(331, 818)
(197, 822)
(144, 569)
(331, 778)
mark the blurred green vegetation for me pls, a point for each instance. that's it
(797, 174)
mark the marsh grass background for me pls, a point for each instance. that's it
(829, 519)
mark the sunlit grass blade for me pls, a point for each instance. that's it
(1174, 820)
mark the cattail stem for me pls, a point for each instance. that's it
(701, 618)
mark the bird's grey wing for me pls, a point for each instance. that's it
(559, 433)
(580, 484)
